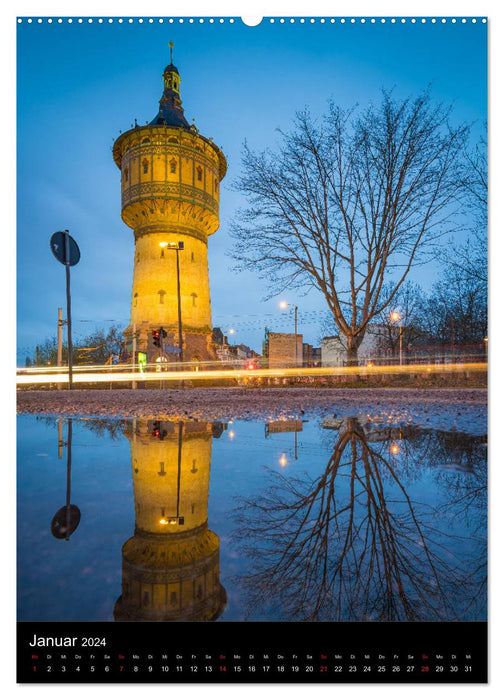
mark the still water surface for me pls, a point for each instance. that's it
(335, 519)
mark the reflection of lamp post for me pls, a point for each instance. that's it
(284, 305)
(176, 247)
(395, 317)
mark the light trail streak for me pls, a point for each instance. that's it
(89, 375)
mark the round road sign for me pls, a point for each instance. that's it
(58, 247)
(65, 522)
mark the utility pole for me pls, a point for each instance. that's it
(59, 360)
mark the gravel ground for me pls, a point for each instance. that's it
(464, 410)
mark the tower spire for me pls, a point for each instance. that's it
(171, 112)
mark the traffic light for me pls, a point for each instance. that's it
(157, 337)
(157, 430)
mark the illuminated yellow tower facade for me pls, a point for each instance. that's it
(171, 564)
(170, 181)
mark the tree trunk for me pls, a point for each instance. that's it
(352, 352)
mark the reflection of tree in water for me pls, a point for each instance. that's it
(101, 427)
(352, 544)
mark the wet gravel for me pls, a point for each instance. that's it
(463, 410)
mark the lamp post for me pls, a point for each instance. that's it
(231, 331)
(395, 317)
(284, 305)
(177, 247)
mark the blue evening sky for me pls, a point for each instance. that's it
(79, 84)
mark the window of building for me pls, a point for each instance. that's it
(146, 141)
(145, 165)
(135, 298)
(192, 257)
(126, 174)
(194, 297)
(199, 173)
(216, 184)
(161, 296)
(173, 166)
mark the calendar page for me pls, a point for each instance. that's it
(252, 349)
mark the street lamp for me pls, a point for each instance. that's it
(284, 305)
(395, 317)
(176, 247)
(230, 332)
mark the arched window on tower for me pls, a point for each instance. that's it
(161, 296)
(135, 298)
(173, 165)
(194, 297)
(216, 185)
(145, 165)
(126, 174)
(199, 173)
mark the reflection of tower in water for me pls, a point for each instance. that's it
(171, 564)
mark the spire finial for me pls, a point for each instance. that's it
(171, 51)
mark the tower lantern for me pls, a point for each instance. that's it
(170, 176)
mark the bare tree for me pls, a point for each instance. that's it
(409, 302)
(99, 346)
(470, 259)
(346, 202)
(456, 311)
(95, 348)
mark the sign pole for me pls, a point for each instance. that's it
(67, 252)
(69, 313)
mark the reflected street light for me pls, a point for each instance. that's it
(395, 317)
(284, 305)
